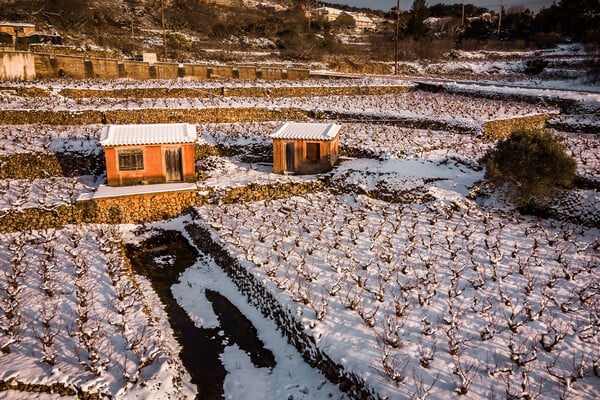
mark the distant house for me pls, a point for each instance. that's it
(360, 22)
(326, 14)
(151, 153)
(11, 31)
(305, 148)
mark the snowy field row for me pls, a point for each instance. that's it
(56, 85)
(415, 105)
(71, 315)
(43, 193)
(374, 139)
(49, 139)
(431, 299)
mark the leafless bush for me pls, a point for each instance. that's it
(393, 367)
(552, 337)
(48, 332)
(426, 353)
(522, 352)
(463, 374)
(422, 391)
(527, 388)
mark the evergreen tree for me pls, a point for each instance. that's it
(533, 162)
(418, 13)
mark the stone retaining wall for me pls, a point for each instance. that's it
(142, 208)
(285, 91)
(261, 298)
(149, 116)
(40, 165)
(501, 128)
(48, 66)
(62, 389)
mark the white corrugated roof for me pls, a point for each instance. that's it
(21, 24)
(306, 131)
(129, 135)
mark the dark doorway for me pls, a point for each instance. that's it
(290, 161)
(173, 165)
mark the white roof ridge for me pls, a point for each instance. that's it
(148, 134)
(306, 131)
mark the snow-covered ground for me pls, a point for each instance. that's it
(442, 297)
(72, 316)
(290, 378)
(431, 293)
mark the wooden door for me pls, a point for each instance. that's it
(173, 165)
(290, 160)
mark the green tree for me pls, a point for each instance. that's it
(534, 162)
(577, 19)
(418, 13)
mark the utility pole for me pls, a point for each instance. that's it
(162, 12)
(500, 19)
(309, 14)
(397, 35)
(462, 23)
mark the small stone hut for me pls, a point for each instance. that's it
(11, 31)
(149, 153)
(305, 148)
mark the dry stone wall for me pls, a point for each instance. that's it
(36, 165)
(289, 91)
(501, 128)
(142, 208)
(61, 389)
(153, 116)
(48, 66)
(262, 298)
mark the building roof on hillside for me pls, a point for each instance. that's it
(131, 135)
(17, 24)
(306, 131)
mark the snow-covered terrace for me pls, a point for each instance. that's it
(428, 298)
(79, 321)
(375, 140)
(55, 86)
(451, 109)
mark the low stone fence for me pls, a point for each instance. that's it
(261, 298)
(567, 106)
(257, 91)
(61, 389)
(48, 66)
(149, 116)
(142, 208)
(22, 65)
(501, 128)
(40, 165)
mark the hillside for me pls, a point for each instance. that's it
(195, 30)
(271, 32)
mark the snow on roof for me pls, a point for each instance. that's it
(17, 24)
(127, 135)
(104, 191)
(306, 131)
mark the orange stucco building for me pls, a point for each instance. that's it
(305, 148)
(149, 153)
